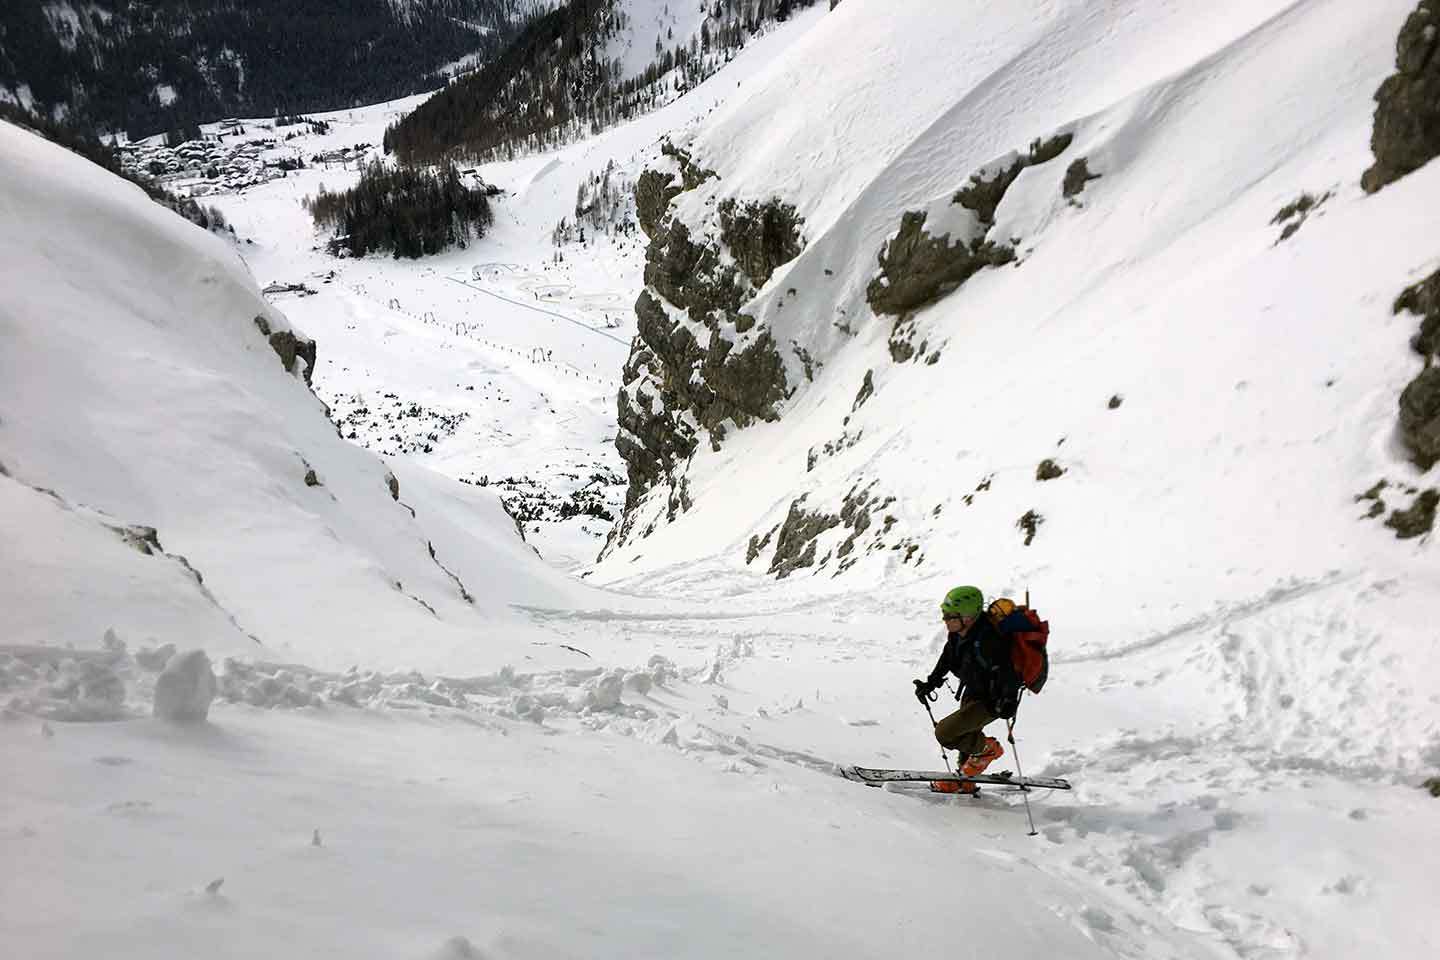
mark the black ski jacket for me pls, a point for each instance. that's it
(981, 661)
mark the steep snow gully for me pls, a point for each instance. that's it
(432, 738)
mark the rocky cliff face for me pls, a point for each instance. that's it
(1407, 117)
(920, 265)
(290, 347)
(702, 365)
(1420, 400)
(698, 365)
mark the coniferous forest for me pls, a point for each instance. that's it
(407, 211)
(554, 83)
(168, 64)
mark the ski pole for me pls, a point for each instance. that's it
(1024, 790)
(943, 757)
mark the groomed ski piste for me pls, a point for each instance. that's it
(434, 740)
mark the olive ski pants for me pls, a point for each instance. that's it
(964, 729)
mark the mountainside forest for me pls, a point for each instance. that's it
(146, 68)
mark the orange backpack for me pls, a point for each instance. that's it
(1028, 635)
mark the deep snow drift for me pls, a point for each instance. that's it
(560, 770)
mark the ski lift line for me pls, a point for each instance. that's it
(549, 313)
(461, 329)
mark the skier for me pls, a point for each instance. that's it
(979, 656)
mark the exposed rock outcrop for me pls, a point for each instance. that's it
(985, 190)
(653, 192)
(1049, 470)
(289, 347)
(1406, 135)
(697, 364)
(1294, 214)
(867, 390)
(1076, 176)
(1420, 400)
(918, 267)
(830, 448)
(761, 236)
(1029, 524)
(691, 173)
(758, 543)
(855, 514)
(138, 537)
(1420, 417)
(1423, 299)
(795, 546)
(798, 535)
(1416, 520)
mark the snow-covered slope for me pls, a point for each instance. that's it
(1255, 382)
(649, 21)
(138, 390)
(1238, 653)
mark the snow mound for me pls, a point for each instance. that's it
(185, 688)
(65, 685)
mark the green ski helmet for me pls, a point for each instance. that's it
(966, 601)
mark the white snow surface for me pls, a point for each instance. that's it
(636, 758)
(156, 401)
(673, 24)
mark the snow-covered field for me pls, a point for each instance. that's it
(434, 741)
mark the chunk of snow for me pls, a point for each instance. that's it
(603, 693)
(155, 658)
(185, 688)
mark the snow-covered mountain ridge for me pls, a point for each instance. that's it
(1157, 279)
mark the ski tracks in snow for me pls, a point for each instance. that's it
(1275, 596)
(1156, 819)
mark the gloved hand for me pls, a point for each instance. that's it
(923, 689)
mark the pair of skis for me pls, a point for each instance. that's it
(878, 777)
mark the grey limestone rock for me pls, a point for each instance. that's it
(1076, 176)
(289, 346)
(1420, 400)
(1406, 134)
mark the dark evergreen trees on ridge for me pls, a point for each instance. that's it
(407, 211)
(165, 65)
(554, 83)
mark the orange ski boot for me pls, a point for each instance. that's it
(977, 763)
